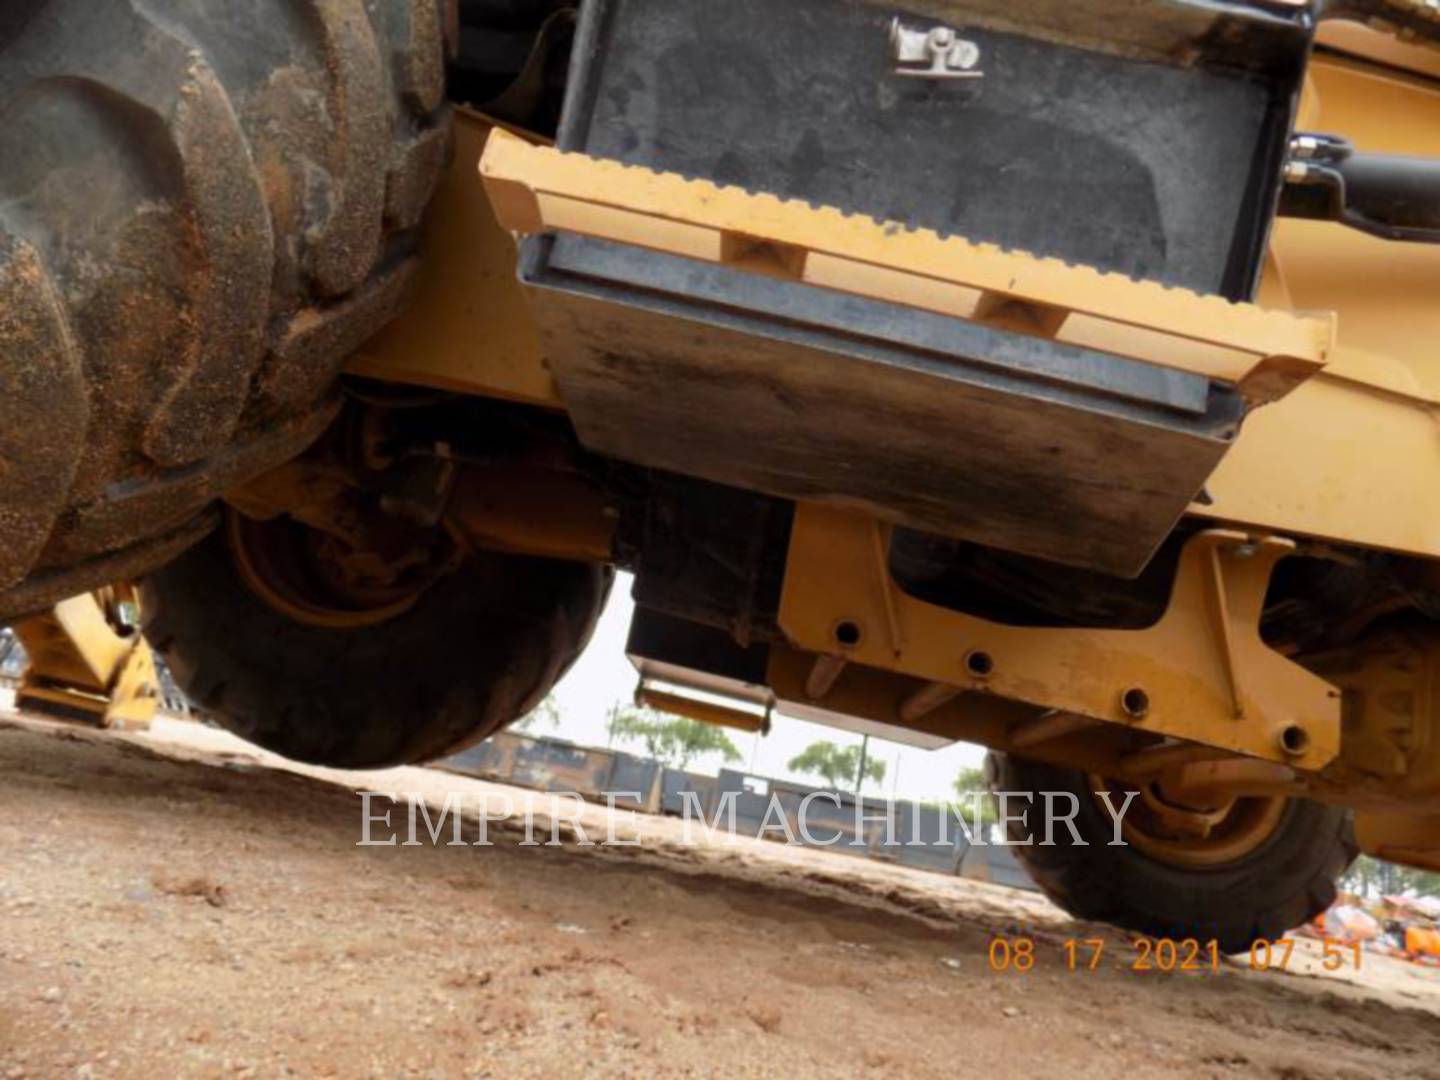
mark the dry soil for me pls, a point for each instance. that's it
(177, 904)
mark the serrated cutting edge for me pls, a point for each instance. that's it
(1266, 353)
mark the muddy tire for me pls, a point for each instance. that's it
(1285, 882)
(205, 206)
(479, 649)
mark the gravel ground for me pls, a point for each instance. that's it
(178, 904)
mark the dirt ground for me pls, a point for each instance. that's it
(175, 904)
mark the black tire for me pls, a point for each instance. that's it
(1285, 882)
(205, 207)
(479, 649)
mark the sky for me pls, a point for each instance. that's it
(604, 677)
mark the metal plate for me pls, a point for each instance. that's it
(1166, 171)
(1159, 171)
(787, 396)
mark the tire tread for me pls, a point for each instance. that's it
(214, 181)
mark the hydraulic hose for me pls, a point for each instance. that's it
(1387, 195)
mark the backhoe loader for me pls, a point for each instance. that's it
(1056, 375)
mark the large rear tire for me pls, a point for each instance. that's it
(475, 651)
(205, 207)
(1286, 876)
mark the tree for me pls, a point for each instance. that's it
(546, 714)
(968, 784)
(1374, 877)
(836, 765)
(671, 739)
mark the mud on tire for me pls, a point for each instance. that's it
(1283, 883)
(205, 206)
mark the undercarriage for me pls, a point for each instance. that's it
(1018, 374)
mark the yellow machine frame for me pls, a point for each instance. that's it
(1344, 450)
(84, 666)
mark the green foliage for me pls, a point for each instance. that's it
(969, 783)
(835, 765)
(1374, 878)
(544, 715)
(671, 739)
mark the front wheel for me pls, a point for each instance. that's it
(263, 633)
(1236, 874)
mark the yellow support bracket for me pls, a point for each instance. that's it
(536, 189)
(81, 666)
(1201, 674)
(135, 694)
